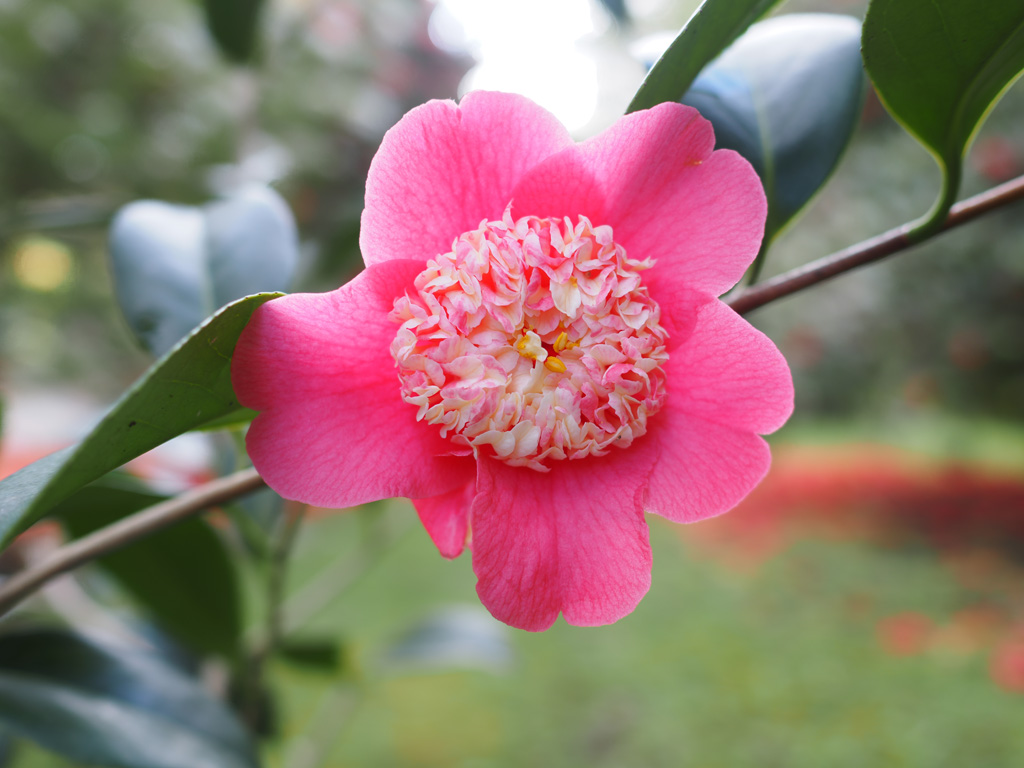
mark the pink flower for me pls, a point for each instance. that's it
(534, 353)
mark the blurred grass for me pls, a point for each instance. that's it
(990, 442)
(782, 668)
(781, 663)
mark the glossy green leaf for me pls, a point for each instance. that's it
(181, 575)
(234, 24)
(708, 32)
(113, 706)
(188, 387)
(174, 265)
(939, 66)
(787, 96)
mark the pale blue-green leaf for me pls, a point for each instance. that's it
(617, 9)
(787, 96)
(175, 265)
(252, 244)
(452, 638)
(158, 254)
(708, 32)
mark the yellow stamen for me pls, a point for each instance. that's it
(561, 342)
(554, 365)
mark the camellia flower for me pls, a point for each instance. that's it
(534, 354)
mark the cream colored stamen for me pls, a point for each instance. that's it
(531, 347)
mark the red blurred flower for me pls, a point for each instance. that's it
(905, 634)
(1007, 664)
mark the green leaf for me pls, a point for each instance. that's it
(708, 32)
(175, 265)
(787, 96)
(939, 66)
(234, 24)
(188, 387)
(182, 575)
(113, 706)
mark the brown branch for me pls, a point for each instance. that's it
(876, 248)
(125, 531)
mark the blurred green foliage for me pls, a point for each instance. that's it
(931, 332)
(109, 101)
(779, 665)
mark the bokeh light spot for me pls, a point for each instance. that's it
(533, 47)
(41, 264)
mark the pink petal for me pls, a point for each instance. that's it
(727, 381)
(446, 518)
(562, 185)
(444, 168)
(718, 217)
(653, 178)
(700, 468)
(573, 539)
(333, 429)
(680, 309)
(730, 373)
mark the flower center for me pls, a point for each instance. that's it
(533, 341)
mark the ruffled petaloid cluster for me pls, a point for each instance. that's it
(534, 354)
(533, 341)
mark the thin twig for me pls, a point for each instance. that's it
(277, 577)
(876, 248)
(125, 531)
(253, 704)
